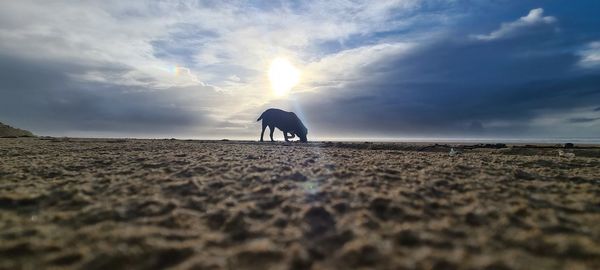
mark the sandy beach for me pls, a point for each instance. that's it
(150, 204)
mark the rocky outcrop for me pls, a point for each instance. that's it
(7, 131)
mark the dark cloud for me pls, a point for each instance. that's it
(583, 119)
(41, 96)
(461, 86)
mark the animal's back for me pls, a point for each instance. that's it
(274, 115)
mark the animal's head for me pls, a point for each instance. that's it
(302, 134)
(301, 130)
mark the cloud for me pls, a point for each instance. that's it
(335, 70)
(590, 55)
(389, 68)
(42, 96)
(421, 109)
(98, 38)
(534, 18)
(162, 45)
(583, 120)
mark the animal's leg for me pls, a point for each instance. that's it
(285, 136)
(264, 126)
(292, 135)
(272, 128)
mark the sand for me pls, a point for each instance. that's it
(147, 204)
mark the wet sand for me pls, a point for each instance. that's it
(147, 204)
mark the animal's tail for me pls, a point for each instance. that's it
(261, 117)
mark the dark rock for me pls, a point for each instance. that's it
(496, 146)
(569, 145)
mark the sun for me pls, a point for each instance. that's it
(283, 76)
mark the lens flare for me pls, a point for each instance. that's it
(179, 73)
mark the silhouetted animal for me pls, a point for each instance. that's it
(287, 122)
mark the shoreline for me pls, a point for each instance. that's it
(408, 140)
(509, 143)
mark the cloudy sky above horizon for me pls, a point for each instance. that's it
(378, 69)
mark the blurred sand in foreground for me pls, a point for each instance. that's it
(148, 204)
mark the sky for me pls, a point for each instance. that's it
(367, 69)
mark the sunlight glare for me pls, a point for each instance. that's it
(283, 76)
